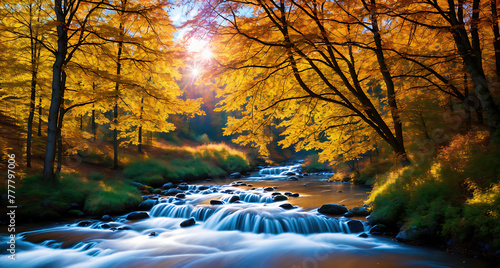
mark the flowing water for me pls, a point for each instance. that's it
(252, 232)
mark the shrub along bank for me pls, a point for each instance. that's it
(452, 199)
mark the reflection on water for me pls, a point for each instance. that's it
(251, 232)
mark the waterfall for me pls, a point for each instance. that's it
(170, 210)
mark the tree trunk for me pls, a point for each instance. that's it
(59, 132)
(93, 115)
(57, 93)
(39, 117)
(115, 110)
(30, 117)
(139, 147)
(496, 34)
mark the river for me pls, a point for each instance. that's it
(252, 232)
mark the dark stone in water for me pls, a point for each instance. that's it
(105, 226)
(332, 209)
(378, 229)
(294, 195)
(188, 222)
(84, 223)
(348, 214)
(414, 233)
(339, 191)
(227, 191)
(152, 234)
(275, 187)
(124, 228)
(113, 229)
(355, 226)
(216, 202)
(279, 198)
(180, 195)
(173, 191)
(249, 185)
(359, 211)
(276, 193)
(293, 178)
(183, 186)
(137, 215)
(289, 173)
(287, 206)
(269, 189)
(147, 204)
(106, 218)
(203, 187)
(252, 189)
(235, 175)
(364, 235)
(234, 198)
(288, 193)
(168, 185)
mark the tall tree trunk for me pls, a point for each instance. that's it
(57, 93)
(139, 147)
(39, 117)
(94, 130)
(391, 91)
(115, 110)
(473, 62)
(496, 35)
(59, 133)
(467, 105)
(30, 117)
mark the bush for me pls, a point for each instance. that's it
(311, 164)
(456, 195)
(96, 176)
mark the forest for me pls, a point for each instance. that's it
(109, 104)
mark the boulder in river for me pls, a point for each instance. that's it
(293, 178)
(106, 218)
(355, 226)
(173, 191)
(359, 211)
(234, 198)
(279, 198)
(414, 233)
(295, 195)
(235, 175)
(183, 186)
(288, 193)
(188, 222)
(147, 204)
(137, 215)
(363, 235)
(276, 193)
(180, 195)
(332, 209)
(168, 185)
(216, 202)
(269, 189)
(287, 206)
(348, 214)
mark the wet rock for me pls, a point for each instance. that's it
(287, 193)
(355, 226)
(152, 234)
(137, 215)
(276, 193)
(293, 178)
(183, 186)
(413, 233)
(168, 185)
(295, 195)
(105, 226)
(227, 191)
(339, 192)
(364, 235)
(147, 204)
(378, 229)
(275, 187)
(279, 198)
(84, 223)
(234, 198)
(348, 214)
(235, 175)
(188, 222)
(249, 185)
(359, 211)
(106, 218)
(287, 206)
(113, 229)
(216, 202)
(180, 195)
(269, 189)
(124, 228)
(252, 189)
(203, 187)
(289, 173)
(332, 209)
(173, 191)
